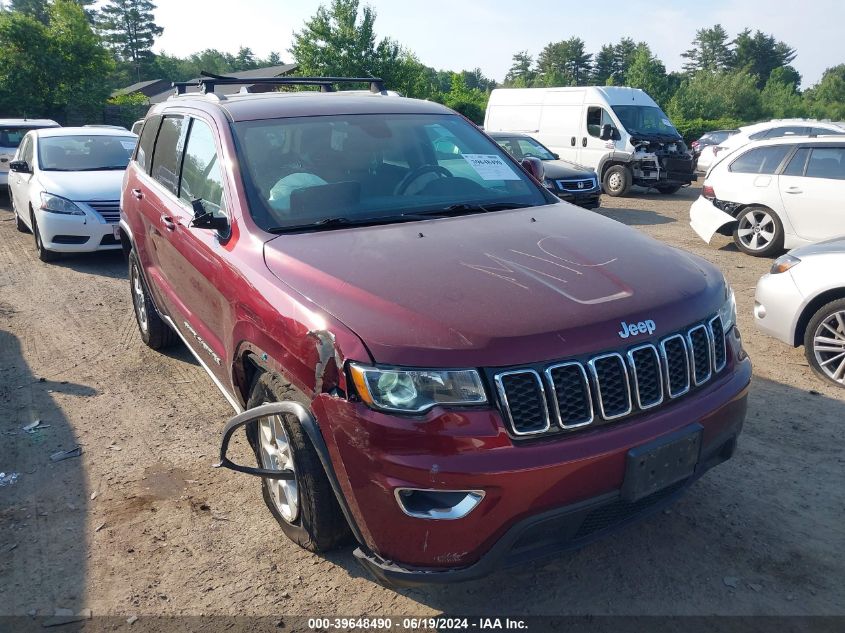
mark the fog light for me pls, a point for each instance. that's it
(759, 310)
(437, 504)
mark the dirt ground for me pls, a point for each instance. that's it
(140, 524)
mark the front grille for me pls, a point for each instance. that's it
(575, 394)
(580, 184)
(109, 210)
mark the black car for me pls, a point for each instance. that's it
(568, 181)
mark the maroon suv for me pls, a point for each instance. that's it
(428, 350)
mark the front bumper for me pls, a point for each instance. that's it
(75, 233)
(707, 220)
(541, 496)
(777, 305)
(590, 200)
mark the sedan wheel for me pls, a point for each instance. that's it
(826, 351)
(275, 450)
(759, 232)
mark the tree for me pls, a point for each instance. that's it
(710, 51)
(760, 54)
(274, 59)
(715, 95)
(521, 73)
(826, 100)
(471, 102)
(245, 59)
(38, 9)
(604, 65)
(648, 73)
(623, 57)
(564, 63)
(780, 98)
(335, 42)
(129, 28)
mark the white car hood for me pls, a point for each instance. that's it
(83, 185)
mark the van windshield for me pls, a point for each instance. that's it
(330, 171)
(645, 120)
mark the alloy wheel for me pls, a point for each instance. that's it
(756, 229)
(829, 346)
(139, 300)
(276, 454)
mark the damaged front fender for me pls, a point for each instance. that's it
(706, 219)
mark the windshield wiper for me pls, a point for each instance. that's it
(466, 208)
(332, 223)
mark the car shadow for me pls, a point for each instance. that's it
(635, 217)
(44, 514)
(110, 264)
(765, 521)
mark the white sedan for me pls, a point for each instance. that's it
(802, 302)
(771, 195)
(65, 185)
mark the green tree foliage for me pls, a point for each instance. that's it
(471, 102)
(129, 28)
(827, 99)
(710, 51)
(604, 65)
(521, 73)
(760, 54)
(713, 95)
(564, 63)
(48, 69)
(38, 9)
(648, 73)
(623, 56)
(779, 98)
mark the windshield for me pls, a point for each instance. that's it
(521, 146)
(12, 136)
(645, 120)
(306, 170)
(85, 153)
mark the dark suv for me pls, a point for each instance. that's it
(428, 349)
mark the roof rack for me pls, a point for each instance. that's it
(207, 82)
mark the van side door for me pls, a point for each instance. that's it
(591, 149)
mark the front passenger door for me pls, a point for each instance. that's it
(19, 181)
(812, 187)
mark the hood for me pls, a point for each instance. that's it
(495, 289)
(83, 185)
(558, 169)
(835, 245)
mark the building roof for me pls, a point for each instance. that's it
(143, 87)
(246, 75)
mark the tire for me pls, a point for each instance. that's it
(45, 255)
(316, 523)
(827, 358)
(155, 333)
(758, 232)
(617, 180)
(669, 189)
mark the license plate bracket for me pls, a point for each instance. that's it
(661, 463)
(116, 231)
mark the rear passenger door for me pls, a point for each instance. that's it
(812, 187)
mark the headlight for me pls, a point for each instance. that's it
(728, 310)
(784, 263)
(57, 204)
(550, 184)
(416, 390)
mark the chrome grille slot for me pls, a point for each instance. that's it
(524, 400)
(717, 335)
(613, 391)
(676, 364)
(646, 376)
(570, 394)
(700, 350)
(109, 210)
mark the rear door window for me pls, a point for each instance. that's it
(167, 156)
(144, 154)
(202, 177)
(827, 162)
(762, 160)
(797, 163)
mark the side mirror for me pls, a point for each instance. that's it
(556, 155)
(607, 132)
(20, 166)
(535, 167)
(204, 219)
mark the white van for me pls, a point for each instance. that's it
(620, 132)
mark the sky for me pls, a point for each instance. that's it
(464, 34)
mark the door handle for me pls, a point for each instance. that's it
(572, 141)
(584, 142)
(138, 193)
(793, 190)
(168, 222)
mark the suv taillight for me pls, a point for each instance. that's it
(707, 191)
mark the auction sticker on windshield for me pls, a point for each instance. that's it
(490, 167)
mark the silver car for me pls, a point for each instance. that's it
(802, 302)
(11, 133)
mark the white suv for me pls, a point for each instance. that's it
(771, 195)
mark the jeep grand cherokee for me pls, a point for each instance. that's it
(428, 349)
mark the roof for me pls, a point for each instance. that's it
(28, 122)
(273, 105)
(82, 131)
(765, 125)
(246, 75)
(795, 139)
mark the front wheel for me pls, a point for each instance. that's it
(617, 180)
(824, 342)
(758, 232)
(44, 254)
(305, 507)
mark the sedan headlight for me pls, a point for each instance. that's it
(728, 310)
(784, 263)
(416, 390)
(57, 204)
